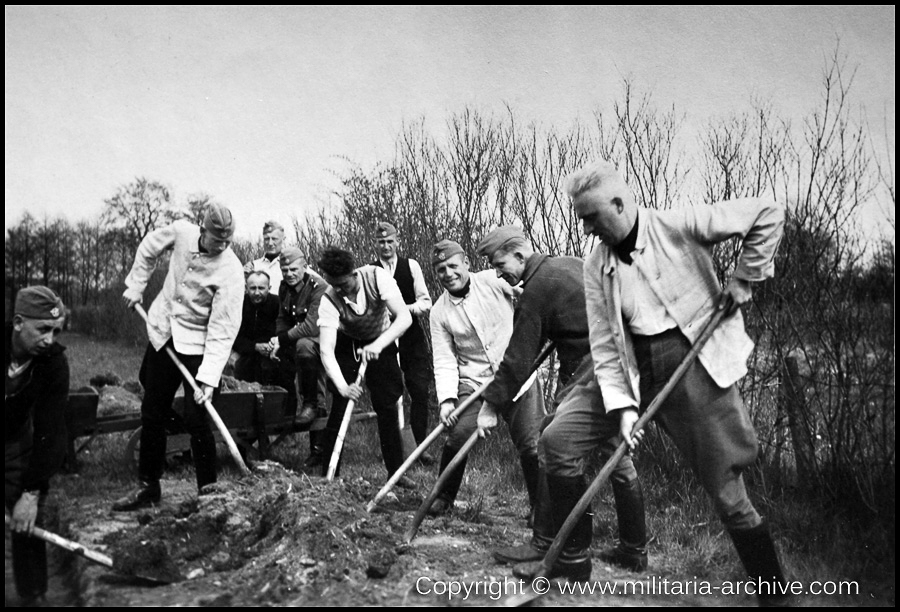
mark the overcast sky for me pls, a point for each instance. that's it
(259, 106)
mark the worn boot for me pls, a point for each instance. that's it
(447, 496)
(542, 532)
(147, 494)
(631, 552)
(316, 449)
(530, 470)
(757, 552)
(574, 561)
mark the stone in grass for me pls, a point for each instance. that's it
(379, 563)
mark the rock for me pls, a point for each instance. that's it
(380, 562)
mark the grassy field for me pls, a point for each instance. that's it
(821, 539)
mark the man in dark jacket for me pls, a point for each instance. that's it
(296, 341)
(37, 388)
(251, 348)
(552, 307)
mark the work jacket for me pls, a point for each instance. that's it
(673, 252)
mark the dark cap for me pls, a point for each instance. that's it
(290, 255)
(39, 302)
(498, 238)
(444, 250)
(219, 222)
(385, 229)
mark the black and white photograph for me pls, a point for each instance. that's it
(450, 305)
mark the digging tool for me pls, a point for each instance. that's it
(345, 424)
(451, 467)
(220, 424)
(161, 573)
(528, 595)
(548, 348)
(439, 486)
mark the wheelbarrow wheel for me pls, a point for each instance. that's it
(176, 444)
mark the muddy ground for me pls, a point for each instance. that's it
(280, 537)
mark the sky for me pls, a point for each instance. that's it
(262, 107)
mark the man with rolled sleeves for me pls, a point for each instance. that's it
(471, 324)
(414, 357)
(197, 315)
(551, 307)
(273, 241)
(651, 285)
(37, 388)
(360, 318)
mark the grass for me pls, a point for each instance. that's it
(820, 537)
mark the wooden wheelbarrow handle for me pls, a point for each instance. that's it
(345, 425)
(463, 405)
(581, 507)
(220, 425)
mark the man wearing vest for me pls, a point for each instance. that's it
(414, 357)
(360, 318)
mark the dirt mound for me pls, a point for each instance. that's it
(278, 535)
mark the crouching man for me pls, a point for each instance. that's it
(37, 388)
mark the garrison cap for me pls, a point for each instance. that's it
(39, 302)
(219, 222)
(385, 229)
(498, 238)
(444, 250)
(290, 255)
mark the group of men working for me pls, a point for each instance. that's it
(621, 322)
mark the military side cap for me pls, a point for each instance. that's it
(39, 302)
(218, 221)
(290, 255)
(498, 238)
(444, 250)
(385, 229)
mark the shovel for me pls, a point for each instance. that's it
(345, 424)
(155, 567)
(220, 424)
(528, 595)
(548, 348)
(451, 467)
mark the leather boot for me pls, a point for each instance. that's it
(631, 552)
(204, 452)
(316, 449)
(530, 470)
(542, 532)
(574, 560)
(147, 494)
(757, 552)
(451, 487)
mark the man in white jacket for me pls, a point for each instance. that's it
(198, 315)
(471, 324)
(650, 287)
